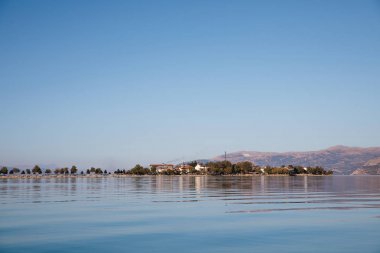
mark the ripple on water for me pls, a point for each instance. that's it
(191, 214)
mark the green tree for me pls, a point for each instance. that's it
(64, 170)
(243, 167)
(139, 170)
(73, 169)
(48, 171)
(316, 170)
(28, 171)
(153, 170)
(4, 170)
(98, 171)
(16, 170)
(220, 167)
(227, 170)
(36, 170)
(88, 171)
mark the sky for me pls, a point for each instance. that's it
(115, 83)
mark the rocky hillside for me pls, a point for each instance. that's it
(372, 167)
(341, 159)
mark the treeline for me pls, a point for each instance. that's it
(58, 171)
(211, 168)
(137, 170)
(294, 170)
(227, 168)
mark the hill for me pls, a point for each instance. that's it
(341, 159)
(372, 167)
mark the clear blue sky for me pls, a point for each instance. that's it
(115, 83)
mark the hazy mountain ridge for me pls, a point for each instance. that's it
(341, 159)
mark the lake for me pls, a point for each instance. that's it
(191, 214)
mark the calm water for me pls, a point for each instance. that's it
(191, 214)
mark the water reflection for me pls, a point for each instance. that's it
(189, 214)
(247, 192)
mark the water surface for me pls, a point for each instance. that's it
(191, 214)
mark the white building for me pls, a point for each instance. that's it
(199, 167)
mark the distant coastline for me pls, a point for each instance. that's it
(42, 176)
(219, 168)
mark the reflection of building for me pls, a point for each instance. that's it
(161, 167)
(198, 184)
(305, 186)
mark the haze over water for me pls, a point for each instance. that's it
(191, 214)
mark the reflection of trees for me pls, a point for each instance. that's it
(185, 188)
(255, 184)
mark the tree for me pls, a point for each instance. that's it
(153, 170)
(139, 170)
(28, 171)
(105, 172)
(47, 171)
(193, 163)
(73, 169)
(297, 169)
(243, 167)
(88, 171)
(16, 170)
(81, 172)
(98, 171)
(220, 168)
(36, 170)
(23, 172)
(316, 170)
(92, 170)
(4, 170)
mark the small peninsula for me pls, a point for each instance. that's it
(215, 168)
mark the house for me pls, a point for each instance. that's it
(184, 168)
(161, 167)
(199, 167)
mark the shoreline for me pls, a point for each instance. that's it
(126, 176)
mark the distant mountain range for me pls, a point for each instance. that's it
(340, 159)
